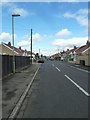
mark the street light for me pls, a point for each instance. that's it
(13, 15)
(31, 46)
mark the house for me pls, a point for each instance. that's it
(63, 55)
(71, 55)
(7, 49)
(83, 55)
(57, 56)
(80, 55)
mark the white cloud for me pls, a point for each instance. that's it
(83, 11)
(68, 15)
(6, 36)
(81, 16)
(35, 37)
(48, 52)
(23, 43)
(14, 9)
(82, 20)
(63, 44)
(20, 11)
(63, 32)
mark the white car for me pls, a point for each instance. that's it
(62, 59)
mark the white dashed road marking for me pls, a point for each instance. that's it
(58, 69)
(86, 93)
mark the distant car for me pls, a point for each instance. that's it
(62, 59)
(40, 61)
(51, 58)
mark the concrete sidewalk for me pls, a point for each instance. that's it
(14, 86)
(78, 66)
(81, 66)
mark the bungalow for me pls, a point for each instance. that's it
(63, 55)
(71, 55)
(83, 55)
(7, 49)
(57, 56)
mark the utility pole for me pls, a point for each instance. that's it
(31, 46)
(39, 51)
(58, 50)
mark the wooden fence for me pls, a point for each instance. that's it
(7, 63)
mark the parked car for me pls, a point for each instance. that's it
(40, 61)
(62, 59)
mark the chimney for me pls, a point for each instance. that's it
(87, 42)
(75, 47)
(9, 44)
(67, 49)
(63, 51)
(20, 47)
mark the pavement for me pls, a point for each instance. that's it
(0, 99)
(14, 86)
(79, 66)
(59, 91)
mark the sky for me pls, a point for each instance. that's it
(56, 26)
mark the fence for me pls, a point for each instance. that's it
(7, 63)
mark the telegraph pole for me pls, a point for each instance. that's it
(39, 51)
(31, 46)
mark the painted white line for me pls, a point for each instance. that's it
(80, 69)
(18, 105)
(58, 69)
(77, 65)
(86, 93)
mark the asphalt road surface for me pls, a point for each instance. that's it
(59, 91)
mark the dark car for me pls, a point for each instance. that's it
(40, 61)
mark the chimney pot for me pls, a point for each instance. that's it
(20, 47)
(9, 43)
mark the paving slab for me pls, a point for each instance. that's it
(14, 86)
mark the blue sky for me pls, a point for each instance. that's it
(56, 25)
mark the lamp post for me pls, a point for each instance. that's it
(13, 15)
(31, 46)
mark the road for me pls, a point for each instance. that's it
(59, 91)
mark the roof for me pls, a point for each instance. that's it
(77, 50)
(68, 52)
(83, 48)
(56, 55)
(18, 50)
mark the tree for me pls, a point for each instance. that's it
(37, 56)
(41, 56)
